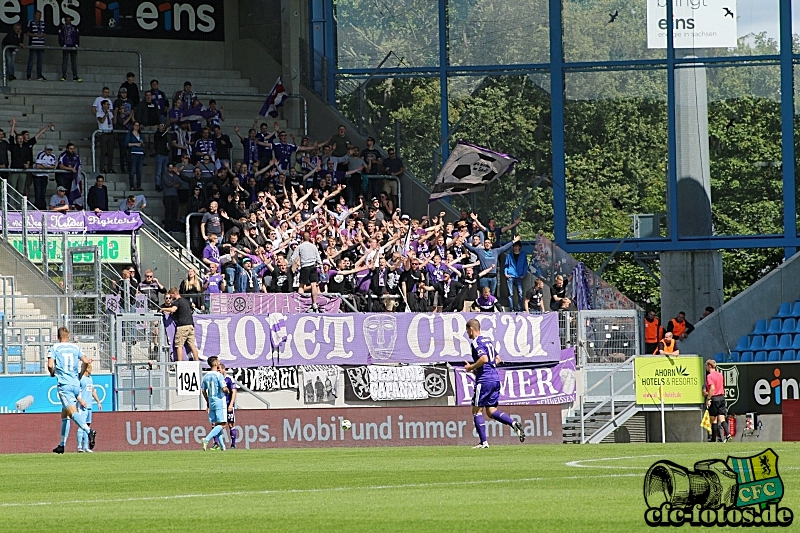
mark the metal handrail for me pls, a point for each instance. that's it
(179, 251)
(77, 49)
(143, 131)
(610, 376)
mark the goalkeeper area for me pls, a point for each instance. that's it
(541, 488)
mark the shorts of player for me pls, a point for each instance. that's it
(231, 417)
(309, 275)
(718, 406)
(87, 413)
(217, 414)
(486, 394)
(68, 394)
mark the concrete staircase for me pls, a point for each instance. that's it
(68, 105)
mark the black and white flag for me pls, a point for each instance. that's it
(469, 169)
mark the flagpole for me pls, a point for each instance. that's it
(661, 395)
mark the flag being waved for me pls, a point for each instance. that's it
(275, 99)
(469, 169)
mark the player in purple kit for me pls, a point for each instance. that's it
(487, 384)
(230, 398)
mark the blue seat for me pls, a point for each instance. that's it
(744, 343)
(770, 343)
(789, 355)
(735, 357)
(796, 309)
(760, 357)
(757, 343)
(761, 327)
(789, 325)
(719, 357)
(785, 342)
(774, 355)
(775, 326)
(796, 342)
(785, 310)
(747, 357)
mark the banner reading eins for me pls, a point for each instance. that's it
(285, 428)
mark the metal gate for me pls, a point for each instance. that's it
(608, 336)
(138, 338)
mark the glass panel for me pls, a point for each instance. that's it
(616, 152)
(744, 124)
(367, 30)
(488, 32)
(610, 30)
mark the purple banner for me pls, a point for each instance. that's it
(527, 386)
(75, 221)
(260, 303)
(363, 339)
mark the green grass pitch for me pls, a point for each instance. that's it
(439, 489)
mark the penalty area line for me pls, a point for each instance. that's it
(303, 491)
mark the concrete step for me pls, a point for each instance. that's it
(110, 80)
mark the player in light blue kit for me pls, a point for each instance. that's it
(214, 391)
(230, 399)
(487, 384)
(62, 363)
(87, 396)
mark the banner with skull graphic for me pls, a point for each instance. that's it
(379, 383)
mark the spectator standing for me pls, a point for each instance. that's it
(488, 258)
(147, 115)
(161, 144)
(69, 38)
(215, 116)
(393, 166)
(211, 224)
(21, 157)
(71, 161)
(36, 32)
(679, 327)
(374, 160)
(516, 268)
(223, 145)
(151, 288)
(17, 39)
(340, 145)
(133, 90)
(123, 120)
(45, 160)
(250, 145)
(213, 283)
(181, 311)
(171, 183)
(4, 148)
(135, 144)
(97, 196)
(192, 289)
(558, 293)
(534, 298)
(653, 332)
(160, 98)
(105, 123)
(355, 167)
(104, 95)
(306, 257)
(186, 96)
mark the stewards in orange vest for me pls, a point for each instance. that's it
(679, 327)
(653, 332)
(668, 346)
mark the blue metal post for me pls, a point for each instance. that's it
(787, 126)
(557, 123)
(672, 141)
(330, 51)
(444, 62)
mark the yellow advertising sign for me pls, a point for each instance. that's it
(678, 379)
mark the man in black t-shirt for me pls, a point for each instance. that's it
(181, 311)
(534, 302)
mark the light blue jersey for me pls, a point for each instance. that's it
(67, 358)
(87, 387)
(213, 383)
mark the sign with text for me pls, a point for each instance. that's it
(188, 378)
(696, 23)
(289, 428)
(37, 394)
(187, 19)
(113, 248)
(760, 387)
(74, 221)
(363, 339)
(267, 378)
(678, 379)
(378, 383)
(527, 386)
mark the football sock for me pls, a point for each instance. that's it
(714, 432)
(81, 434)
(216, 441)
(214, 432)
(721, 430)
(480, 426)
(234, 436)
(79, 422)
(64, 431)
(725, 427)
(500, 416)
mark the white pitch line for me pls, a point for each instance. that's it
(578, 464)
(302, 491)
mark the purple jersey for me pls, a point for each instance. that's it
(231, 384)
(488, 372)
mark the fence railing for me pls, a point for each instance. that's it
(79, 49)
(4, 172)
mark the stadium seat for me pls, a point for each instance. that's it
(796, 309)
(719, 357)
(747, 357)
(761, 328)
(775, 326)
(744, 343)
(789, 325)
(757, 343)
(788, 355)
(785, 342)
(770, 343)
(774, 355)
(760, 357)
(785, 310)
(735, 357)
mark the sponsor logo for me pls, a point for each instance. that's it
(176, 16)
(52, 10)
(766, 391)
